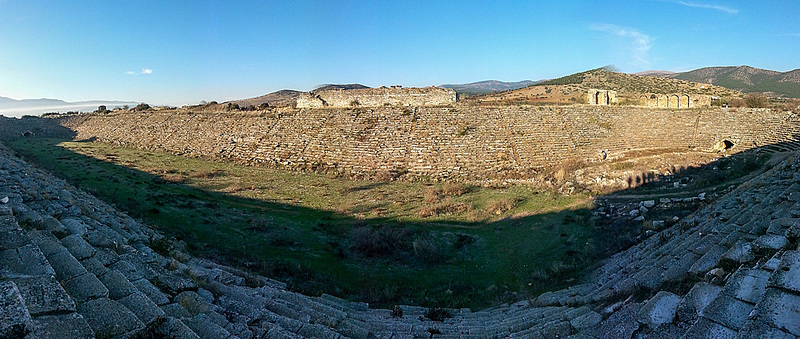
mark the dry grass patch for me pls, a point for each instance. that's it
(448, 206)
(501, 205)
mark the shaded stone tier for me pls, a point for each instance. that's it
(72, 266)
(457, 142)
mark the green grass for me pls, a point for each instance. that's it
(431, 244)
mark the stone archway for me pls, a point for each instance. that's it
(685, 102)
(673, 101)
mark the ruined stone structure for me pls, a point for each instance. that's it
(377, 97)
(72, 266)
(439, 142)
(653, 100)
(601, 97)
(674, 100)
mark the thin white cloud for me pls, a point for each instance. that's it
(640, 43)
(720, 8)
(145, 71)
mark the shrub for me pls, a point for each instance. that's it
(500, 206)
(397, 312)
(383, 241)
(141, 107)
(755, 100)
(445, 207)
(355, 103)
(437, 314)
(464, 129)
(429, 250)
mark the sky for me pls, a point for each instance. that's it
(184, 52)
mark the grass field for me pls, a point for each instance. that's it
(433, 244)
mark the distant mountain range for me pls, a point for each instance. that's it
(17, 108)
(488, 86)
(742, 78)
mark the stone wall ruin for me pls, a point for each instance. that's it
(438, 142)
(674, 100)
(601, 97)
(377, 97)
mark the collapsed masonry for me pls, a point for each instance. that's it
(377, 97)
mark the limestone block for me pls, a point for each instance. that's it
(781, 310)
(174, 328)
(174, 282)
(65, 265)
(586, 321)
(621, 324)
(54, 226)
(193, 303)
(144, 308)
(756, 328)
(12, 239)
(67, 325)
(728, 311)
(747, 284)
(85, 287)
(152, 292)
(176, 310)
(15, 321)
(698, 298)
(659, 310)
(771, 242)
(205, 327)
(27, 260)
(127, 269)
(75, 226)
(94, 266)
(705, 328)
(109, 319)
(787, 276)
(43, 294)
(740, 252)
(78, 247)
(118, 286)
(708, 261)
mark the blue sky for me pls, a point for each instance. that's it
(182, 52)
